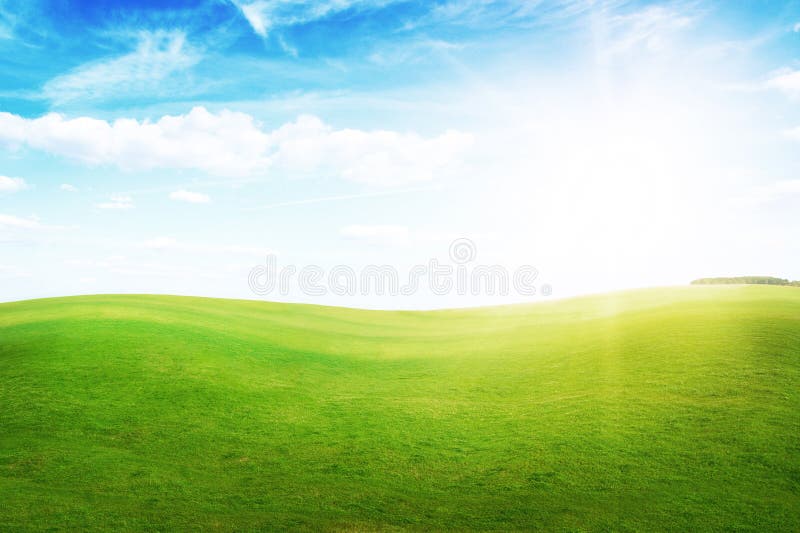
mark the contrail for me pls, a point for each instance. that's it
(342, 197)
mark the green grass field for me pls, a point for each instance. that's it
(664, 409)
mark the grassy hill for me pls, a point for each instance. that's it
(668, 409)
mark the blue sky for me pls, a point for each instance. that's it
(610, 144)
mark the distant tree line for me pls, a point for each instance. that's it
(746, 280)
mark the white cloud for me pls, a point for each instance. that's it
(797, 27)
(160, 243)
(8, 184)
(234, 144)
(786, 80)
(157, 56)
(169, 243)
(377, 234)
(256, 15)
(66, 187)
(117, 201)
(183, 195)
(308, 146)
(15, 226)
(11, 221)
(227, 143)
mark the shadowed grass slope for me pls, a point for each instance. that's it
(664, 409)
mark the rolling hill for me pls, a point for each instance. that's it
(661, 409)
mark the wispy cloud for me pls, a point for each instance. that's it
(413, 50)
(24, 223)
(157, 56)
(264, 15)
(108, 262)
(12, 221)
(256, 14)
(169, 243)
(652, 29)
(66, 187)
(8, 21)
(6, 31)
(342, 197)
(786, 80)
(117, 201)
(183, 195)
(8, 184)
(485, 14)
(377, 234)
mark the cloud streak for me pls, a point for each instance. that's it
(22, 223)
(170, 244)
(190, 197)
(117, 202)
(264, 15)
(12, 221)
(377, 234)
(157, 56)
(342, 197)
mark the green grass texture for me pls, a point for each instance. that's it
(672, 409)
